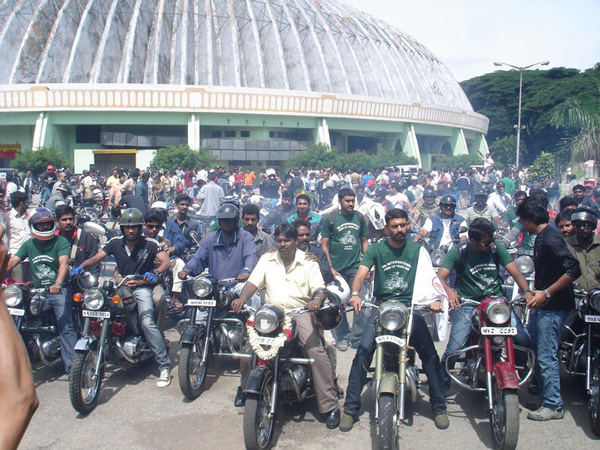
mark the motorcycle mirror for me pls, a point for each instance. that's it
(462, 230)
(94, 228)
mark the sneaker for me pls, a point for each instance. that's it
(343, 345)
(441, 421)
(544, 413)
(165, 378)
(346, 422)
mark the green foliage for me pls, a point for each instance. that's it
(39, 159)
(391, 158)
(318, 156)
(496, 95)
(458, 162)
(504, 150)
(544, 167)
(171, 157)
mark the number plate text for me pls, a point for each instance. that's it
(204, 303)
(499, 331)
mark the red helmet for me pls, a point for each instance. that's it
(50, 167)
(38, 217)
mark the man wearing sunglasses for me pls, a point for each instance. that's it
(477, 265)
(443, 228)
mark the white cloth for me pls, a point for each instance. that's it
(18, 230)
(500, 202)
(211, 195)
(400, 201)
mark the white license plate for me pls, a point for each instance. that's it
(592, 319)
(96, 314)
(16, 312)
(499, 331)
(263, 340)
(391, 339)
(204, 303)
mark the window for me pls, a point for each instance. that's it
(87, 134)
(229, 133)
(217, 133)
(245, 133)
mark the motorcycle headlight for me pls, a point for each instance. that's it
(202, 286)
(266, 320)
(498, 311)
(594, 299)
(437, 256)
(525, 264)
(93, 299)
(37, 304)
(393, 316)
(13, 296)
(510, 280)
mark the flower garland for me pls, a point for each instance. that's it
(273, 349)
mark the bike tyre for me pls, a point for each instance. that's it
(189, 387)
(79, 368)
(257, 437)
(387, 431)
(509, 401)
(594, 400)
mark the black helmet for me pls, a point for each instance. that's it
(131, 217)
(553, 186)
(584, 215)
(448, 200)
(429, 192)
(227, 211)
(329, 316)
(381, 191)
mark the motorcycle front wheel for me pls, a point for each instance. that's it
(387, 433)
(192, 373)
(594, 401)
(84, 390)
(258, 426)
(504, 418)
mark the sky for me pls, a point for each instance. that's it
(468, 36)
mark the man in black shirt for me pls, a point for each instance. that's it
(135, 255)
(555, 270)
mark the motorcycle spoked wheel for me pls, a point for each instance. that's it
(387, 430)
(504, 418)
(192, 374)
(83, 389)
(594, 400)
(258, 427)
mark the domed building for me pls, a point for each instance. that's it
(111, 81)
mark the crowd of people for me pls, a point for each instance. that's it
(290, 235)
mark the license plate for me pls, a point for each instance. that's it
(263, 340)
(96, 314)
(204, 303)
(499, 331)
(391, 339)
(588, 319)
(16, 312)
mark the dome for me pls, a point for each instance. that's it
(292, 45)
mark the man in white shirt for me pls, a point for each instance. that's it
(499, 199)
(202, 174)
(17, 228)
(398, 199)
(415, 188)
(210, 197)
(11, 187)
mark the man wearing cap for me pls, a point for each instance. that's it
(60, 198)
(425, 208)
(481, 209)
(443, 228)
(49, 178)
(499, 199)
(585, 246)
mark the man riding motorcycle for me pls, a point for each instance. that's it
(425, 208)
(443, 227)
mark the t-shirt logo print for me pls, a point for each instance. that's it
(395, 283)
(44, 272)
(348, 238)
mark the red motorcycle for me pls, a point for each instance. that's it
(488, 365)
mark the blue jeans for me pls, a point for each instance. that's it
(62, 306)
(461, 330)
(45, 195)
(420, 339)
(544, 328)
(145, 307)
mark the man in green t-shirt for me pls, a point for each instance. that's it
(395, 261)
(49, 260)
(477, 265)
(345, 238)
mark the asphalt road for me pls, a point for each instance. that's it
(134, 414)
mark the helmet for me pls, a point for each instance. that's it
(339, 289)
(270, 172)
(131, 217)
(428, 192)
(42, 215)
(553, 186)
(376, 215)
(481, 192)
(227, 211)
(329, 316)
(50, 167)
(584, 215)
(63, 187)
(500, 184)
(448, 200)
(381, 191)
(159, 205)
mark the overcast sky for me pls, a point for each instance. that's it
(469, 35)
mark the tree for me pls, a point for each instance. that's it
(171, 157)
(38, 160)
(504, 150)
(459, 161)
(317, 156)
(544, 167)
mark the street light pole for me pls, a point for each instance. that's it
(520, 69)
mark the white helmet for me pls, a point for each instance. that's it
(376, 215)
(339, 289)
(270, 172)
(159, 205)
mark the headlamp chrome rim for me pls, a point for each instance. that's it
(524, 264)
(13, 296)
(93, 299)
(393, 315)
(266, 320)
(498, 312)
(595, 299)
(202, 286)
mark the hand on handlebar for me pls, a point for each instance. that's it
(436, 306)
(356, 303)
(151, 277)
(242, 277)
(76, 271)
(453, 300)
(314, 305)
(182, 275)
(237, 305)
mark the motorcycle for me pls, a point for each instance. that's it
(488, 365)
(579, 351)
(111, 334)
(526, 267)
(220, 334)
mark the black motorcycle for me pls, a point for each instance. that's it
(210, 331)
(579, 351)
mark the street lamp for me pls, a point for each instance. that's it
(520, 69)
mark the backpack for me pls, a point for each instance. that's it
(361, 220)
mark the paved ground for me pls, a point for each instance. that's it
(135, 414)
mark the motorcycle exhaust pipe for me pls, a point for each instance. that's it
(40, 351)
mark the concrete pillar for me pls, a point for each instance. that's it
(481, 146)
(409, 143)
(194, 132)
(459, 143)
(42, 135)
(322, 133)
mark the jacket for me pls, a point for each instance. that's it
(437, 229)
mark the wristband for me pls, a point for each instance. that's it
(356, 294)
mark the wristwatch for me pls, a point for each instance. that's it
(547, 293)
(355, 293)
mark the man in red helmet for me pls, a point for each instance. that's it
(49, 260)
(49, 177)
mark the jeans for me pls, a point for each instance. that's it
(461, 330)
(342, 332)
(420, 339)
(62, 306)
(544, 328)
(45, 195)
(145, 306)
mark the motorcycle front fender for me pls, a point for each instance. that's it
(87, 342)
(388, 383)
(254, 381)
(190, 335)
(505, 376)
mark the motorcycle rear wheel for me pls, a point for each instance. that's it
(192, 374)
(594, 400)
(504, 419)
(387, 433)
(258, 427)
(83, 389)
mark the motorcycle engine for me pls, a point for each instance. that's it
(300, 374)
(50, 348)
(133, 346)
(230, 334)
